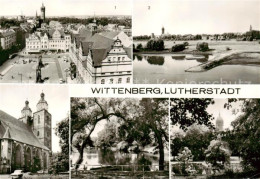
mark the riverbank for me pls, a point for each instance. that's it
(229, 58)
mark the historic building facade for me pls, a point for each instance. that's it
(53, 39)
(7, 38)
(104, 57)
(26, 142)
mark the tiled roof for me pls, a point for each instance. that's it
(98, 56)
(85, 47)
(51, 31)
(7, 33)
(18, 131)
(110, 34)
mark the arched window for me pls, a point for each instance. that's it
(103, 81)
(119, 80)
(111, 81)
(128, 80)
(118, 58)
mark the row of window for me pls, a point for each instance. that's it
(113, 59)
(119, 81)
(111, 73)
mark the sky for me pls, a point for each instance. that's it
(66, 7)
(13, 99)
(227, 115)
(195, 16)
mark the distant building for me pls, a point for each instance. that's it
(53, 39)
(250, 28)
(8, 38)
(26, 142)
(163, 30)
(219, 123)
(43, 13)
(55, 25)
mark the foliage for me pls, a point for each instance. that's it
(195, 139)
(141, 122)
(185, 112)
(157, 45)
(185, 157)
(108, 136)
(60, 161)
(202, 46)
(178, 47)
(218, 154)
(246, 131)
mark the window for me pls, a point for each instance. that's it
(119, 80)
(103, 81)
(39, 120)
(128, 80)
(38, 133)
(111, 81)
(123, 58)
(118, 58)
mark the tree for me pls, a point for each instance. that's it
(202, 46)
(151, 124)
(185, 157)
(246, 131)
(218, 154)
(139, 121)
(60, 161)
(185, 112)
(86, 114)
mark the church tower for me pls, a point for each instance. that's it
(219, 123)
(163, 30)
(43, 13)
(42, 122)
(26, 114)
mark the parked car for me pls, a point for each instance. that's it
(17, 174)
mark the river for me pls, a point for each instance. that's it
(170, 69)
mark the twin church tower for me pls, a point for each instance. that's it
(39, 121)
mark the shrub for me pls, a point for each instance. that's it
(202, 46)
(186, 43)
(178, 47)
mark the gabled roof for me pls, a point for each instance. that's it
(98, 56)
(101, 42)
(51, 32)
(110, 34)
(85, 47)
(18, 131)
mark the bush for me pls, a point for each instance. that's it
(202, 46)
(186, 43)
(178, 47)
(157, 45)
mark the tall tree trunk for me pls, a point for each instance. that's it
(80, 158)
(161, 154)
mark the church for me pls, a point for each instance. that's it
(26, 142)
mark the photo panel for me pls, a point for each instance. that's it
(66, 42)
(214, 137)
(196, 42)
(34, 131)
(119, 138)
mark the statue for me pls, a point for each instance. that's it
(38, 75)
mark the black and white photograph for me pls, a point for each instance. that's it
(34, 132)
(67, 41)
(119, 138)
(214, 138)
(196, 42)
